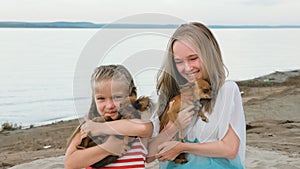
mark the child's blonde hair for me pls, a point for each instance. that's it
(107, 72)
(101, 73)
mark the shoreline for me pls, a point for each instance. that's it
(271, 104)
(261, 81)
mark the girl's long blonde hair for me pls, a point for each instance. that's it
(205, 44)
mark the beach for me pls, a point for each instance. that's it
(271, 104)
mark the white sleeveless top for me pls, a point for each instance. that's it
(228, 109)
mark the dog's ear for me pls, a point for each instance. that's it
(187, 85)
(133, 93)
(187, 89)
(208, 81)
(128, 109)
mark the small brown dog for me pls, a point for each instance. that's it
(198, 94)
(130, 108)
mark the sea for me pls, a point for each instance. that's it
(45, 72)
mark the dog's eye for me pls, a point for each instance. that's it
(206, 90)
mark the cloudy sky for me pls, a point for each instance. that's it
(228, 12)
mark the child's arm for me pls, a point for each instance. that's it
(77, 159)
(132, 127)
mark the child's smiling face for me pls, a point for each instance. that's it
(108, 95)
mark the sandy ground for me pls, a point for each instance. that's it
(272, 109)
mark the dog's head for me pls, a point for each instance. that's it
(203, 90)
(199, 93)
(132, 108)
(142, 103)
(198, 90)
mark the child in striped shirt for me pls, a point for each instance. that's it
(111, 84)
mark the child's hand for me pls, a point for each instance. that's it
(90, 127)
(83, 134)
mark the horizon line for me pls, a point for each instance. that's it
(83, 24)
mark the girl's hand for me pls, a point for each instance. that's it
(115, 146)
(168, 151)
(185, 116)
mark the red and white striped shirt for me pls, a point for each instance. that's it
(133, 158)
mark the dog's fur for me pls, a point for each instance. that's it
(197, 94)
(130, 108)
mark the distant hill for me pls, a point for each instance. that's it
(78, 25)
(131, 26)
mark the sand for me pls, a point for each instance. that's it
(271, 103)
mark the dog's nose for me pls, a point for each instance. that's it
(206, 96)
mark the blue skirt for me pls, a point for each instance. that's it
(201, 162)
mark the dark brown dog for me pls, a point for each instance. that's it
(197, 94)
(129, 109)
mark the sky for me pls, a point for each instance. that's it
(213, 12)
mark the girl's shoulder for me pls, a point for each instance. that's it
(229, 85)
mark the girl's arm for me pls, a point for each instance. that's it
(226, 148)
(164, 136)
(77, 159)
(132, 127)
(184, 118)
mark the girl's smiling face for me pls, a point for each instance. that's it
(108, 95)
(187, 61)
